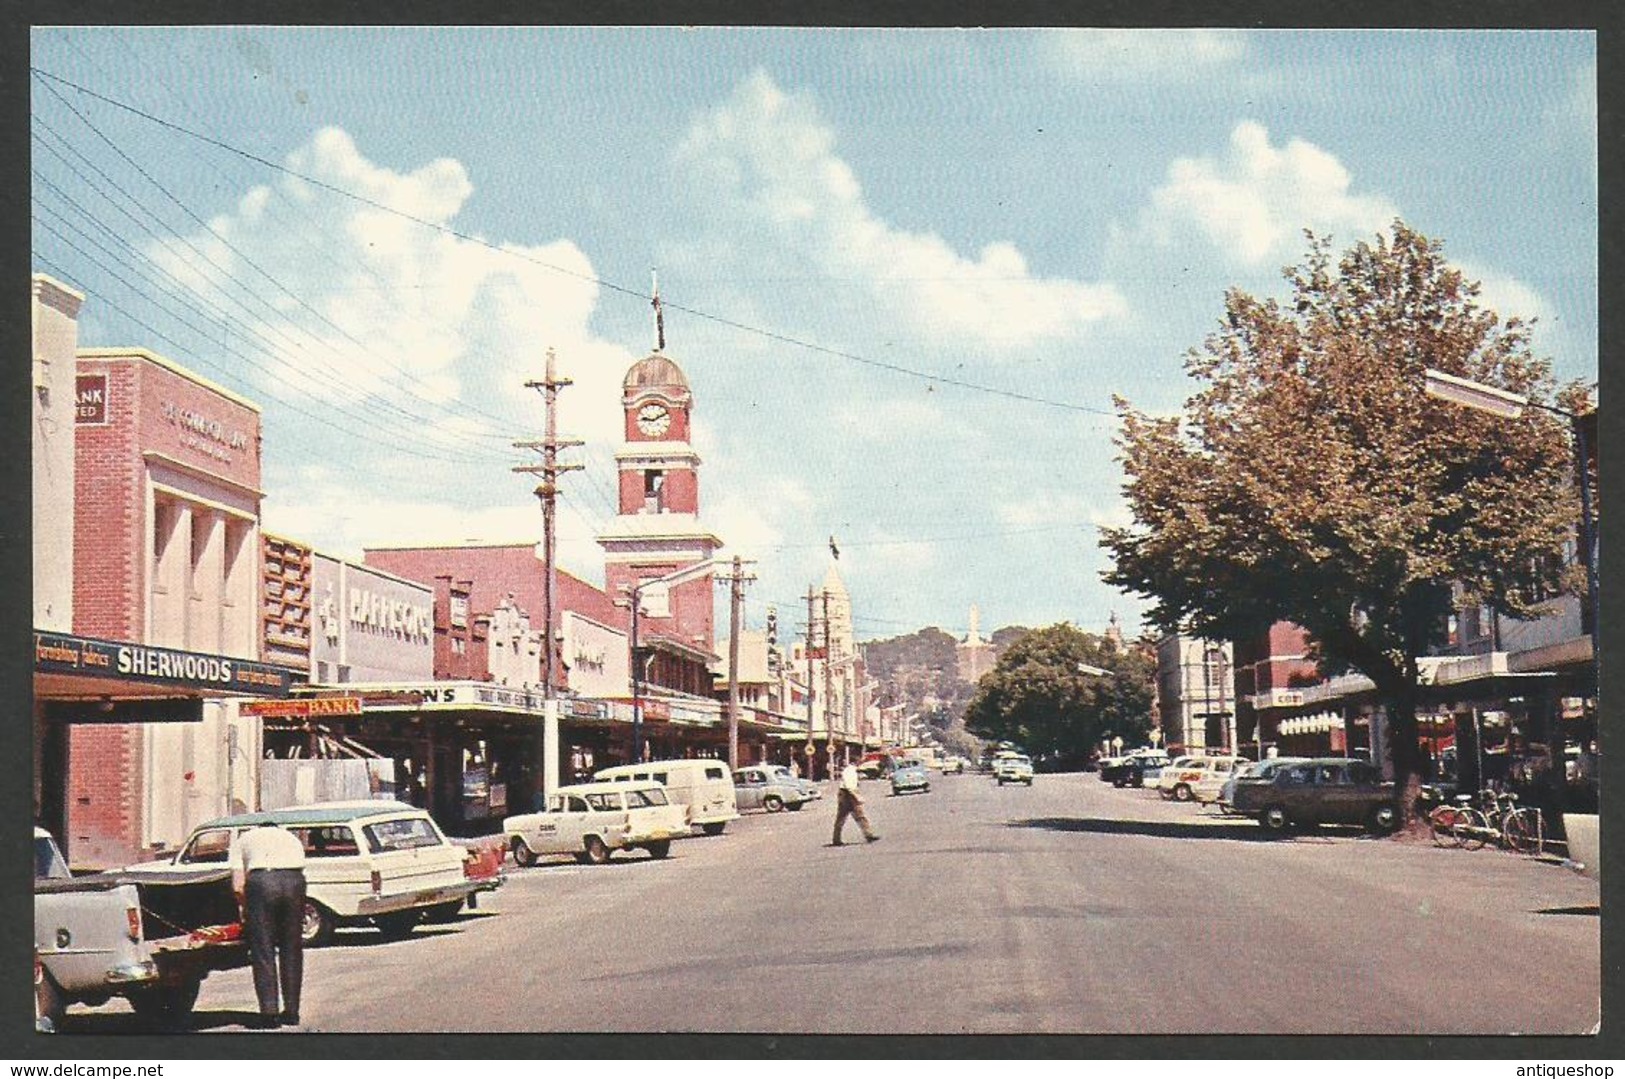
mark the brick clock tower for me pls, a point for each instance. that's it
(656, 530)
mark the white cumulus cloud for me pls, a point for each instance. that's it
(766, 164)
(422, 339)
(1252, 203)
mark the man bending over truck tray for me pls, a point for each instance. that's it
(268, 871)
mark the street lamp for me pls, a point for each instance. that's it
(635, 595)
(1499, 402)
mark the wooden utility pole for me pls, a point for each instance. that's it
(547, 490)
(736, 603)
(810, 751)
(829, 723)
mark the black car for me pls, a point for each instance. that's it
(1131, 771)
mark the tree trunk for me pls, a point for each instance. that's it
(1402, 744)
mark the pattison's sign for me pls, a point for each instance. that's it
(61, 653)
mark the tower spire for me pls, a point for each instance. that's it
(660, 316)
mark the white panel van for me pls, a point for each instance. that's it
(704, 787)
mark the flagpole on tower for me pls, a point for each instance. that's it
(660, 315)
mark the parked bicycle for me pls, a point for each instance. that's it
(1446, 818)
(1499, 817)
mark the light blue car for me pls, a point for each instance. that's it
(910, 776)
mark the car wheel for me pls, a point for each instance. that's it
(1382, 819)
(926, 789)
(522, 854)
(594, 852)
(399, 924)
(773, 803)
(659, 849)
(50, 1001)
(714, 828)
(1274, 819)
(166, 1006)
(317, 925)
(1182, 793)
(1028, 781)
(795, 807)
(1001, 781)
(1119, 783)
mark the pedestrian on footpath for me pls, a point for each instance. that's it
(847, 803)
(268, 871)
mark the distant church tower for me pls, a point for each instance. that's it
(974, 656)
(657, 530)
(1114, 634)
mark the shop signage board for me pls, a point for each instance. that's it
(61, 653)
(301, 709)
(90, 400)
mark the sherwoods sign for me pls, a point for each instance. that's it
(60, 653)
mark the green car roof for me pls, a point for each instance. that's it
(312, 814)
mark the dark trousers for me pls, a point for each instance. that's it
(848, 805)
(273, 915)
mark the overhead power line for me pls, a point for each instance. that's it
(772, 335)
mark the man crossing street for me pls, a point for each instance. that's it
(848, 803)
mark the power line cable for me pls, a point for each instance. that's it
(254, 265)
(936, 378)
(349, 432)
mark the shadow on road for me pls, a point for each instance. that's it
(720, 967)
(1246, 831)
(1593, 911)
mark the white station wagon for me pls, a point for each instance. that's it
(590, 821)
(377, 862)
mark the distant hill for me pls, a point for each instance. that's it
(919, 671)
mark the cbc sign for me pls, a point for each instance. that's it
(370, 609)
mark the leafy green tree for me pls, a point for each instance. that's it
(1311, 480)
(1037, 697)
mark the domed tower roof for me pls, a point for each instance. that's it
(655, 372)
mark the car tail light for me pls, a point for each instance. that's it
(377, 882)
(132, 918)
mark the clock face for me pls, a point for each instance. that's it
(653, 420)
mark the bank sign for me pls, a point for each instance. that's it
(60, 653)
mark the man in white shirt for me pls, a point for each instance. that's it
(268, 871)
(847, 803)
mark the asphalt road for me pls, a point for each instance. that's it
(1069, 907)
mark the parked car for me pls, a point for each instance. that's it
(1169, 775)
(1215, 774)
(910, 775)
(812, 790)
(1016, 768)
(703, 787)
(591, 821)
(1253, 769)
(151, 939)
(1325, 790)
(757, 787)
(1134, 769)
(379, 863)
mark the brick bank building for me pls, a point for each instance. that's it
(146, 592)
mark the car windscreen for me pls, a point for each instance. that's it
(211, 847)
(642, 799)
(47, 861)
(403, 833)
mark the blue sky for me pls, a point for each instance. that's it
(1051, 216)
